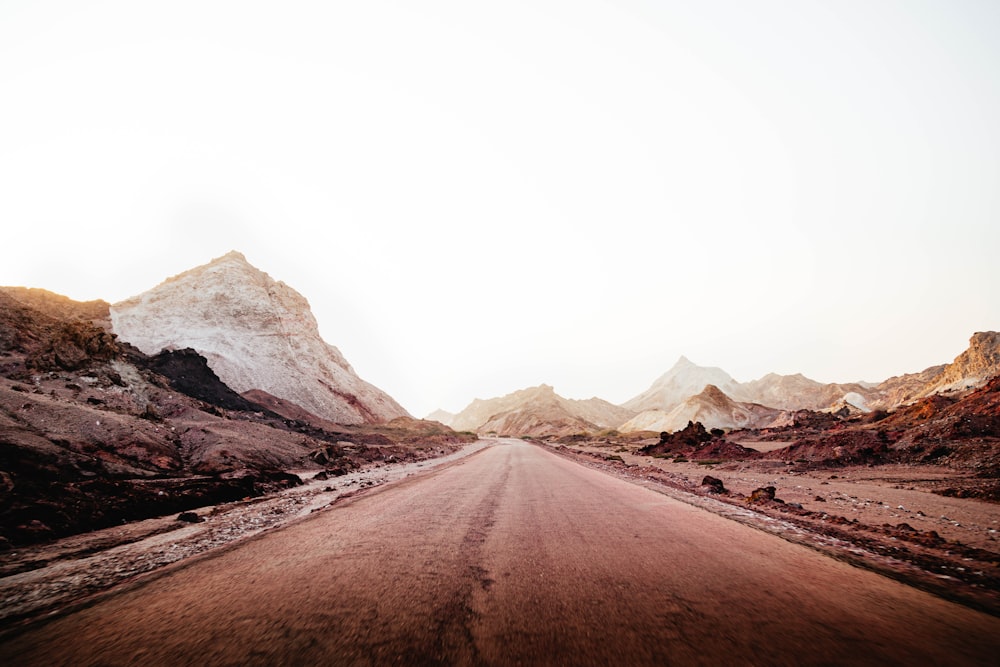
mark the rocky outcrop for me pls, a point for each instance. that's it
(538, 411)
(61, 307)
(256, 333)
(971, 369)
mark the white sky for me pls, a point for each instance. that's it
(479, 197)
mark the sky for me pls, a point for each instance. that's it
(477, 197)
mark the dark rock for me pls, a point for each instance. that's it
(692, 435)
(189, 517)
(189, 373)
(326, 454)
(713, 484)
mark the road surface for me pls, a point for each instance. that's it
(514, 556)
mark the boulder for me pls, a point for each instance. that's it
(764, 494)
(712, 485)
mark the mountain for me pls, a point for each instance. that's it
(539, 411)
(797, 392)
(973, 368)
(970, 370)
(257, 333)
(712, 407)
(442, 416)
(682, 381)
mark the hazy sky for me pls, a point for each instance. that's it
(478, 197)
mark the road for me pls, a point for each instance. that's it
(514, 556)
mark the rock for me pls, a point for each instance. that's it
(35, 530)
(762, 495)
(256, 333)
(712, 485)
(189, 517)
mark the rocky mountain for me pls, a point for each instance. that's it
(539, 411)
(902, 389)
(797, 392)
(711, 407)
(979, 363)
(257, 333)
(684, 380)
(785, 392)
(971, 369)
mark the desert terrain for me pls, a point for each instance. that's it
(150, 511)
(513, 555)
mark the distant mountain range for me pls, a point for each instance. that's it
(689, 392)
(538, 411)
(258, 335)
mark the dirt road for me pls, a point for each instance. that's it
(514, 556)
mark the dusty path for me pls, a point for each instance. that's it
(515, 556)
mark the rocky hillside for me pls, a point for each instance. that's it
(978, 364)
(93, 432)
(797, 392)
(539, 411)
(712, 408)
(257, 333)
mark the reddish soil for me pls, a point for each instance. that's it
(514, 556)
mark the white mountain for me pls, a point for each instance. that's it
(681, 382)
(257, 333)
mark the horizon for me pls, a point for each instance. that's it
(682, 360)
(476, 200)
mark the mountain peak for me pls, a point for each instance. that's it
(256, 333)
(713, 392)
(231, 255)
(684, 362)
(684, 380)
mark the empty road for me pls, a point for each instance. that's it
(514, 556)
